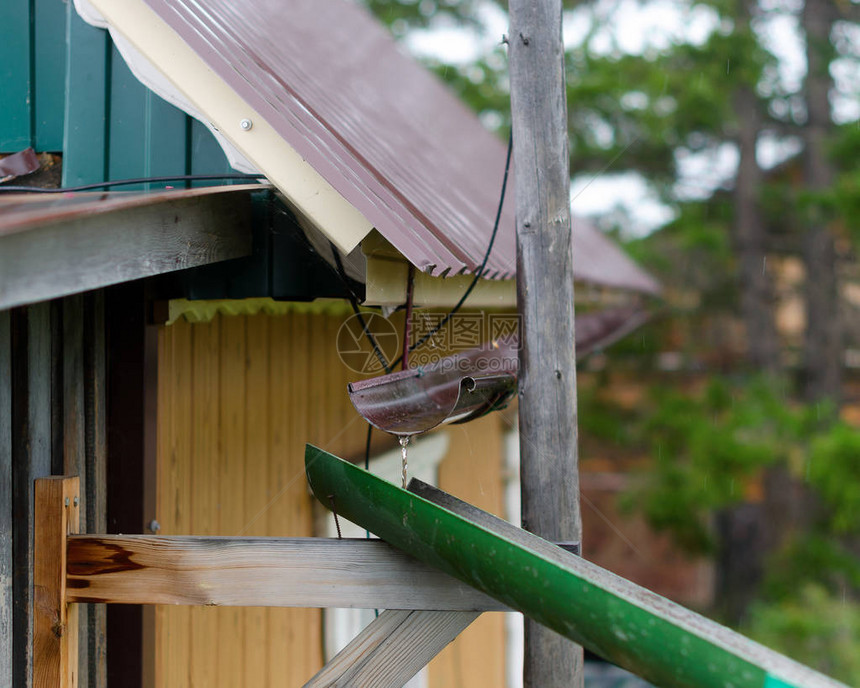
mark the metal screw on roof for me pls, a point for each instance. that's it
(246, 124)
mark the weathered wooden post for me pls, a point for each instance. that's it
(547, 374)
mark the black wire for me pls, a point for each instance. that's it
(480, 270)
(139, 180)
(353, 301)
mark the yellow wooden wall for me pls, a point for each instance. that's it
(237, 400)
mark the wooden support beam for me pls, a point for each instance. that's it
(49, 253)
(547, 373)
(392, 649)
(55, 623)
(274, 572)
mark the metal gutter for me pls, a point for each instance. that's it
(465, 386)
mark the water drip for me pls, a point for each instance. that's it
(404, 441)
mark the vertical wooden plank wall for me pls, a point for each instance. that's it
(238, 398)
(69, 391)
(94, 489)
(51, 422)
(31, 459)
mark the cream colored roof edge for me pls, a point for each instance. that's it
(225, 110)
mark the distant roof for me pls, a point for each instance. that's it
(315, 94)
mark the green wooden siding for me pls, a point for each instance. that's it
(66, 89)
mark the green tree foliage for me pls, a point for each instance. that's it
(710, 446)
(815, 627)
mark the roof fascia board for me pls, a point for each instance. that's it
(307, 191)
(69, 256)
(387, 279)
(387, 273)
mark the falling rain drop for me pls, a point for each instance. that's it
(404, 441)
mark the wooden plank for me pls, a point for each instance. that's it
(95, 460)
(392, 649)
(80, 253)
(31, 459)
(73, 427)
(272, 572)
(55, 621)
(5, 500)
(549, 468)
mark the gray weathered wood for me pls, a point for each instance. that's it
(547, 372)
(392, 649)
(275, 572)
(5, 500)
(31, 459)
(95, 489)
(82, 251)
(73, 437)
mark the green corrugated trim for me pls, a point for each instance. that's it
(204, 311)
(664, 643)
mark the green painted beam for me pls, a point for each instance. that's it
(647, 634)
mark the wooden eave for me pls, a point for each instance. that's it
(53, 246)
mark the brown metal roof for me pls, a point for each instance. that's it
(378, 127)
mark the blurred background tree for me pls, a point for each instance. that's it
(735, 122)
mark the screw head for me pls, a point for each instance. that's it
(154, 526)
(76, 500)
(246, 124)
(67, 501)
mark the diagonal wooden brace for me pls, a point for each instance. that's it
(392, 649)
(55, 626)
